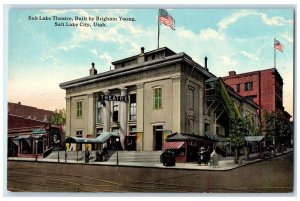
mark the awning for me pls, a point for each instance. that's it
(76, 140)
(184, 137)
(22, 137)
(102, 138)
(173, 145)
(254, 138)
(215, 137)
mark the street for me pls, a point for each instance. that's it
(273, 175)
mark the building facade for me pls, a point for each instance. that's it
(29, 131)
(145, 98)
(264, 87)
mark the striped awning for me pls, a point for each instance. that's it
(173, 145)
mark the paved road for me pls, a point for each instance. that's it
(273, 175)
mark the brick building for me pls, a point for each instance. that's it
(264, 87)
(29, 131)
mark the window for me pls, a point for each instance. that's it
(79, 109)
(248, 86)
(99, 112)
(115, 111)
(191, 99)
(157, 103)
(206, 127)
(132, 107)
(237, 89)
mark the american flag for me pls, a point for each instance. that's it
(278, 45)
(166, 19)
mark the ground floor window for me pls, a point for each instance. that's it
(79, 134)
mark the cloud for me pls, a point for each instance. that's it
(95, 52)
(224, 23)
(228, 60)
(287, 37)
(68, 47)
(249, 55)
(50, 59)
(276, 20)
(209, 33)
(271, 21)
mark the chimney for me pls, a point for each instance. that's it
(141, 58)
(93, 71)
(232, 73)
(19, 103)
(205, 63)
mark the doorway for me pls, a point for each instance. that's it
(157, 137)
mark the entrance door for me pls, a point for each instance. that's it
(157, 137)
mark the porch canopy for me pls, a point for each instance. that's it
(184, 137)
(102, 138)
(215, 138)
(254, 138)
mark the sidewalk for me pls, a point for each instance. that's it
(224, 164)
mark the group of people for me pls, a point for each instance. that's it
(100, 155)
(203, 156)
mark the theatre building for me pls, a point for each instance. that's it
(148, 97)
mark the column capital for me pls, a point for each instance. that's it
(140, 85)
(106, 92)
(123, 89)
(91, 95)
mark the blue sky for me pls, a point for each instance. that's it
(41, 55)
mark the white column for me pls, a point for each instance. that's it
(91, 115)
(140, 107)
(107, 114)
(123, 117)
(68, 117)
(177, 113)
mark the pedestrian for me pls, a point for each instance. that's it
(87, 155)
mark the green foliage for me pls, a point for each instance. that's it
(276, 128)
(58, 117)
(241, 127)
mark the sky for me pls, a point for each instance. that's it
(42, 55)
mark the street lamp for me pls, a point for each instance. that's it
(36, 143)
(117, 140)
(57, 143)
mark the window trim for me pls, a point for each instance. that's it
(157, 100)
(248, 86)
(79, 109)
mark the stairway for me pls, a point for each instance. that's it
(137, 156)
(124, 156)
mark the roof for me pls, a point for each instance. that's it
(29, 112)
(102, 138)
(184, 137)
(215, 137)
(134, 68)
(254, 138)
(147, 53)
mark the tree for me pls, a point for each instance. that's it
(277, 129)
(236, 136)
(58, 117)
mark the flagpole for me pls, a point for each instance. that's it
(158, 25)
(274, 54)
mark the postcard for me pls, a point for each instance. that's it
(152, 100)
